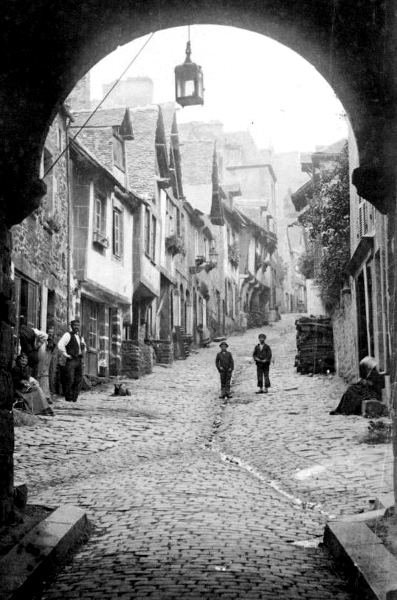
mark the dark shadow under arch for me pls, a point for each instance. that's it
(47, 49)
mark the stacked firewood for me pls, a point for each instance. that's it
(315, 347)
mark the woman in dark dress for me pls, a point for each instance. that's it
(368, 387)
(28, 389)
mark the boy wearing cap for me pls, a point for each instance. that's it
(225, 365)
(262, 356)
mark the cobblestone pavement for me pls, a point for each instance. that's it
(193, 499)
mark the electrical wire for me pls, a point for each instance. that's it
(99, 104)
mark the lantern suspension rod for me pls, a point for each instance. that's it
(99, 104)
(188, 45)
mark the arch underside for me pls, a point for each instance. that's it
(48, 47)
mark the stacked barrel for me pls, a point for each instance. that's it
(315, 346)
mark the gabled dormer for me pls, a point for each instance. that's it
(104, 134)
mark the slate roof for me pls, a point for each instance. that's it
(97, 134)
(141, 151)
(111, 117)
(196, 160)
(81, 149)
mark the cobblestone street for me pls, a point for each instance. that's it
(191, 498)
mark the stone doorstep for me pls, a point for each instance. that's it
(363, 558)
(24, 568)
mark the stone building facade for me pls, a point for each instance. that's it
(40, 257)
(102, 217)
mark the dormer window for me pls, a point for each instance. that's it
(118, 149)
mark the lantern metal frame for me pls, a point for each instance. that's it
(189, 81)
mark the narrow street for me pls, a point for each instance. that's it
(191, 498)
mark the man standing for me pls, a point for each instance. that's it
(262, 356)
(71, 346)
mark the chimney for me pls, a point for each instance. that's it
(134, 91)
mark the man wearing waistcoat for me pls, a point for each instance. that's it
(72, 346)
(262, 356)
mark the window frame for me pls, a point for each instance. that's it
(117, 233)
(99, 199)
(118, 150)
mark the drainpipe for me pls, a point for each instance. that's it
(69, 221)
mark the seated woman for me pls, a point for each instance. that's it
(28, 389)
(369, 386)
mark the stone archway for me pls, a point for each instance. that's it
(45, 51)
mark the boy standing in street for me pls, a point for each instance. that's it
(262, 356)
(225, 365)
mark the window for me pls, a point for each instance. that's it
(93, 326)
(366, 220)
(178, 221)
(100, 214)
(234, 155)
(147, 231)
(27, 300)
(183, 226)
(118, 237)
(150, 234)
(206, 250)
(118, 151)
(26, 304)
(153, 238)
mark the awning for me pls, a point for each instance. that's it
(363, 251)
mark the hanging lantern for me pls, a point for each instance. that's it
(189, 83)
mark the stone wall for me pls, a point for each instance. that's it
(130, 359)
(40, 242)
(164, 350)
(6, 388)
(137, 359)
(343, 324)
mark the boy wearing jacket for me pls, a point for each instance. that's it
(225, 365)
(262, 356)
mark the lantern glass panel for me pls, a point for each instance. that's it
(190, 87)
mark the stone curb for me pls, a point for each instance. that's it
(362, 556)
(24, 568)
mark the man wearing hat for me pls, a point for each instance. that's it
(262, 356)
(71, 346)
(225, 365)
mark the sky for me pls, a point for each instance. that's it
(251, 83)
